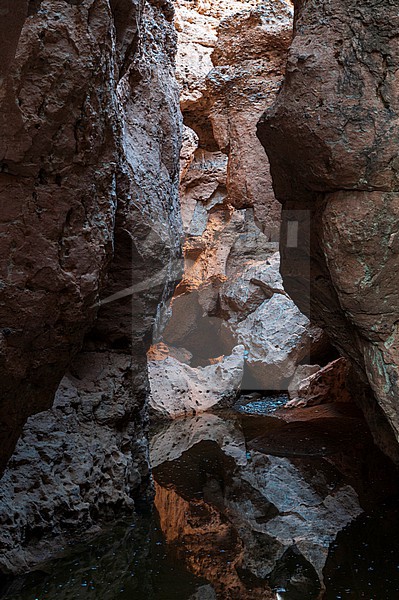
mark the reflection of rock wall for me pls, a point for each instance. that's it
(248, 521)
(200, 529)
(93, 169)
(332, 141)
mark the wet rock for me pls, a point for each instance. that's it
(179, 390)
(328, 384)
(330, 141)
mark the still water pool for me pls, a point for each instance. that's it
(247, 506)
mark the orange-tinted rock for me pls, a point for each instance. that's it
(225, 499)
(329, 384)
(249, 62)
(224, 51)
(207, 543)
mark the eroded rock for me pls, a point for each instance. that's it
(330, 139)
(91, 153)
(232, 292)
(74, 464)
(328, 384)
(180, 390)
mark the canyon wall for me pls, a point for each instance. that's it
(230, 66)
(90, 140)
(331, 139)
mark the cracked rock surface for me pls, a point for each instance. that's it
(331, 139)
(90, 223)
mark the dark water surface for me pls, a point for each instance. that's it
(249, 504)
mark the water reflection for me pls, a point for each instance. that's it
(253, 504)
(247, 507)
(131, 562)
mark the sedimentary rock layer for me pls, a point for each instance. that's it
(331, 139)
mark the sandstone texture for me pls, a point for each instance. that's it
(180, 390)
(331, 139)
(90, 139)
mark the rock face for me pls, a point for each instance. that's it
(328, 384)
(74, 464)
(239, 51)
(55, 248)
(331, 141)
(180, 390)
(277, 336)
(90, 137)
(229, 68)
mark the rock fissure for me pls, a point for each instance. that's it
(99, 226)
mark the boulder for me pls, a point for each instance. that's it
(329, 384)
(276, 335)
(180, 390)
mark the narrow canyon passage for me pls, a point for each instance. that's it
(199, 326)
